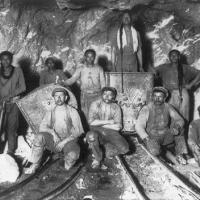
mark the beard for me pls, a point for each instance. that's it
(59, 103)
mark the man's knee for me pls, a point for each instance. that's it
(91, 137)
(72, 156)
(39, 139)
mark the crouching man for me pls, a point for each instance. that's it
(160, 127)
(194, 138)
(59, 131)
(105, 122)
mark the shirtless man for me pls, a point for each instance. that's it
(92, 80)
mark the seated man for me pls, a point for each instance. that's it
(159, 125)
(105, 122)
(194, 138)
(59, 131)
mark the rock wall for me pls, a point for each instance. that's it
(34, 30)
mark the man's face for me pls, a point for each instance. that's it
(174, 57)
(126, 19)
(158, 98)
(108, 96)
(50, 64)
(59, 98)
(89, 57)
(6, 61)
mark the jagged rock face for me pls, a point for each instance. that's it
(111, 4)
(38, 29)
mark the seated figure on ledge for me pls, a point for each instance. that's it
(161, 128)
(105, 122)
(59, 131)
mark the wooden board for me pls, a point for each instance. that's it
(137, 88)
(34, 105)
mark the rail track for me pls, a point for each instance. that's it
(138, 176)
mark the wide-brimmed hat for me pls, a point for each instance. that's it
(59, 89)
(161, 89)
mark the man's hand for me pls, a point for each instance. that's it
(56, 139)
(60, 146)
(176, 129)
(188, 86)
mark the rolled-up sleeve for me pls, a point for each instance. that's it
(117, 115)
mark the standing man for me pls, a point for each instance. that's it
(51, 74)
(105, 122)
(160, 126)
(178, 79)
(59, 131)
(92, 80)
(12, 84)
(194, 138)
(129, 54)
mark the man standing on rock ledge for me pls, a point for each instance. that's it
(160, 126)
(129, 54)
(12, 84)
(92, 80)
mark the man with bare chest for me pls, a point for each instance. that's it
(12, 84)
(92, 80)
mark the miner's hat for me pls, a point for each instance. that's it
(59, 89)
(161, 89)
(112, 89)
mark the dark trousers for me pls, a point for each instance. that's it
(114, 143)
(11, 124)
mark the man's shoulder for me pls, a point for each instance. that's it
(195, 122)
(163, 66)
(97, 103)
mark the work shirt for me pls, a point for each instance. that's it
(64, 120)
(13, 86)
(157, 120)
(47, 77)
(169, 75)
(92, 79)
(102, 111)
(194, 133)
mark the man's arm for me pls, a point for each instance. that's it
(139, 53)
(93, 117)
(193, 74)
(45, 125)
(20, 87)
(141, 123)
(192, 137)
(102, 78)
(177, 120)
(116, 123)
(74, 77)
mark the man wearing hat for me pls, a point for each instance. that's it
(160, 127)
(194, 138)
(105, 122)
(59, 131)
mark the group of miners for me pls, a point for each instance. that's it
(162, 124)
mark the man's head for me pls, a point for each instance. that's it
(126, 19)
(159, 95)
(90, 56)
(6, 58)
(109, 94)
(174, 56)
(60, 96)
(50, 63)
